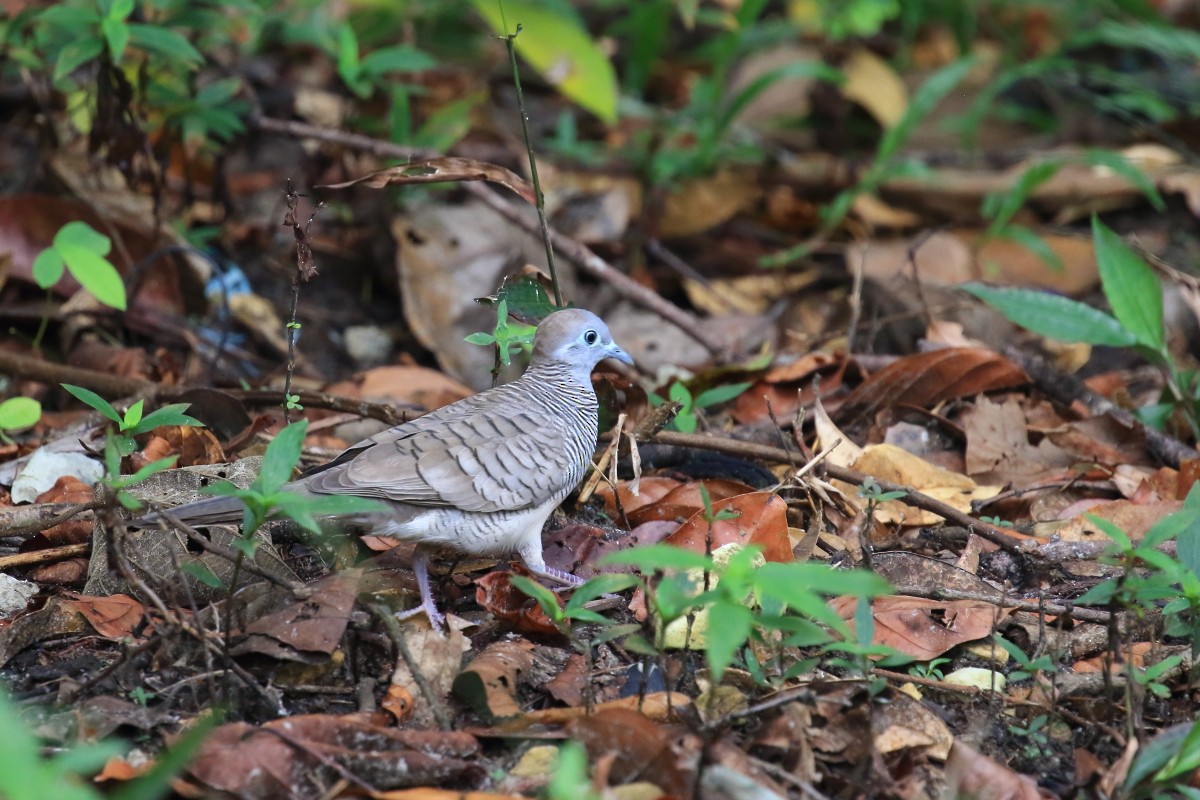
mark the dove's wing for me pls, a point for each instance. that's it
(504, 460)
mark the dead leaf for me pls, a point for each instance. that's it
(495, 594)
(703, 203)
(113, 617)
(925, 629)
(245, 760)
(447, 169)
(873, 84)
(489, 684)
(972, 774)
(998, 446)
(890, 463)
(637, 748)
(927, 379)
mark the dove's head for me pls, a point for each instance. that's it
(577, 337)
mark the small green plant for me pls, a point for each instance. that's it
(1027, 667)
(132, 423)
(687, 418)
(569, 781)
(1148, 678)
(1034, 736)
(1150, 576)
(931, 669)
(1002, 206)
(141, 695)
(25, 774)
(508, 337)
(782, 604)
(889, 162)
(120, 442)
(16, 414)
(702, 136)
(78, 32)
(81, 250)
(1135, 295)
(1164, 765)
(364, 74)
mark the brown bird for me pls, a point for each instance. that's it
(481, 475)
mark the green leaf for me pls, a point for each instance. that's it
(397, 58)
(544, 597)
(720, 394)
(684, 422)
(75, 54)
(659, 556)
(47, 268)
(146, 471)
(283, 453)
(935, 87)
(343, 505)
(80, 235)
(116, 34)
(678, 392)
(480, 338)
(729, 626)
(202, 573)
(561, 50)
(171, 414)
(1112, 531)
(163, 42)
(1002, 206)
(90, 398)
(1131, 287)
(133, 416)
(19, 412)
(1128, 170)
(523, 297)
(94, 273)
(1054, 316)
(1035, 244)
(218, 92)
(600, 585)
(1186, 758)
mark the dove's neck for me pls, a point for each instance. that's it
(563, 388)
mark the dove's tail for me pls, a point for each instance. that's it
(210, 511)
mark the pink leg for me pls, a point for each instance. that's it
(421, 570)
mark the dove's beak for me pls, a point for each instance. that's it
(614, 351)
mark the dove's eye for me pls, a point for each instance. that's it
(591, 337)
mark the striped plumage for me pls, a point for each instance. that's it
(481, 475)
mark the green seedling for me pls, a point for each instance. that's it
(83, 251)
(1135, 295)
(687, 419)
(17, 414)
(132, 423)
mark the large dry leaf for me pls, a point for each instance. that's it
(924, 629)
(293, 757)
(761, 519)
(889, 463)
(113, 617)
(639, 749)
(926, 379)
(873, 83)
(447, 169)
(489, 684)
(998, 446)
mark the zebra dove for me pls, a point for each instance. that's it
(481, 475)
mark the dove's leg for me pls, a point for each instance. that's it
(421, 570)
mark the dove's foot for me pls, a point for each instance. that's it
(428, 607)
(559, 576)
